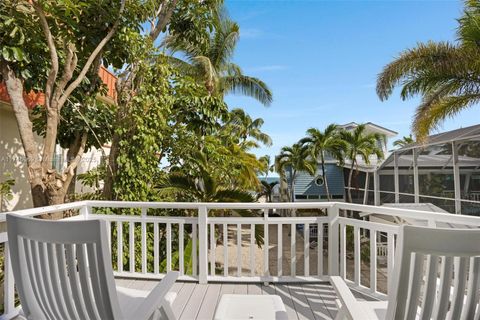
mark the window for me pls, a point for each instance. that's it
(312, 196)
(319, 181)
(300, 196)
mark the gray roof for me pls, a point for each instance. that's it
(449, 136)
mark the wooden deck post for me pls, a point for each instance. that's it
(203, 244)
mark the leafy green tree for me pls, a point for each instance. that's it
(295, 159)
(359, 143)
(325, 144)
(210, 62)
(51, 46)
(405, 141)
(446, 75)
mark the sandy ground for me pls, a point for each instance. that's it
(286, 259)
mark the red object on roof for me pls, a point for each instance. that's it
(32, 99)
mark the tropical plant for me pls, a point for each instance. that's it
(446, 75)
(211, 64)
(266, 190)
(6, 193)
(294, 159)
(200, 185)
(244, 127)
(405, 141)
(325, 144)
(359, 143)
(268, 167)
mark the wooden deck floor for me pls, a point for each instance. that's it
(198, 302)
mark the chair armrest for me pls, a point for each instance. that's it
(157, 298)
(350, 306)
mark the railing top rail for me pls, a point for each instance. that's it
(211, 205)
(389, 211)
(412, 214)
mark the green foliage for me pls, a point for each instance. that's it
(6, 193)
(405, 141)
(446, 75)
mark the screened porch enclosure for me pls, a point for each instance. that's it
(444, 172)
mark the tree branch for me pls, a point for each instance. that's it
(163, 18)
(74, 84)
(69, 172)
(52, 74)
(69, 68)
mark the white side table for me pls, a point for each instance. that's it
(250, 307)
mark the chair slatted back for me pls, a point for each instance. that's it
(62, 269)
(436, 275)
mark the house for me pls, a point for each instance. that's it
(12, 157)
(312, 188)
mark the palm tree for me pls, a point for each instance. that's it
(405, 141)
(446, 75)
(266, 190)
(323, 144)
(295, 158)
(359, 143)
(267, 165)
(201, 185)
(211, 63)
(243, 126)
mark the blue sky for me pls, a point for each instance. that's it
(321, 59)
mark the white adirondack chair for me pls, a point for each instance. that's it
(63, 271)
(436, 276)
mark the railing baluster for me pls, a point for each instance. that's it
(131, 245)
(225, 250)
(252, 250)
(306, 249)
(144, 242)
(119, 246)
(194, 249)
(239, 250)
(203, 244)
(343, 250)
(390, 259)
(357, 260)
(169, 247)
(212, 249)
(320, 249)
(181, 239)
(265, 244)
(279, 250)
(293, 250)
(373, 260)
(109, 235)
(156, 258)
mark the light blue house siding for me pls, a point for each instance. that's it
(307, 189)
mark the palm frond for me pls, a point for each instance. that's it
(248, 86)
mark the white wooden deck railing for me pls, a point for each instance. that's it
(205, 247)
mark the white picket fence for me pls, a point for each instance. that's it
(146, 245)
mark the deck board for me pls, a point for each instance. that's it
(312, 301)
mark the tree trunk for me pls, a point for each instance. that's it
(34, 169)
(111, 168)
(350, 175)
(325, 180)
